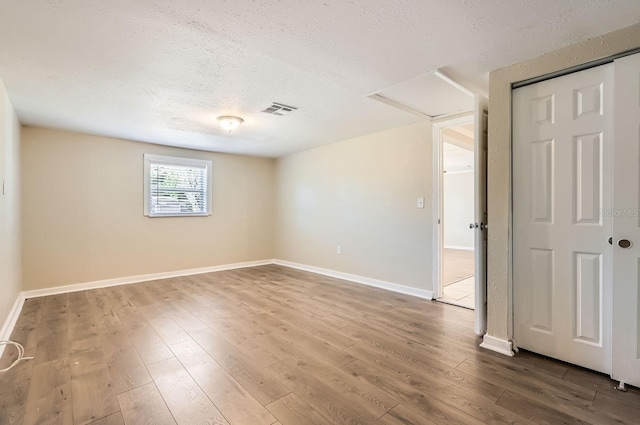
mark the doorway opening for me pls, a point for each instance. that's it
(457, 208)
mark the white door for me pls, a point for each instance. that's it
(626, 222)
(562, 153)
(480, 169)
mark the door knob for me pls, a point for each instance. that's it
(610, 241)
(624, 243)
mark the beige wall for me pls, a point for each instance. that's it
(361, 194)
(10, 279)
(83, 211)
(499, 173)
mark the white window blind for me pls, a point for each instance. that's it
(176, 186)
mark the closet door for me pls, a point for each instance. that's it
(626, 222)
(562, 153)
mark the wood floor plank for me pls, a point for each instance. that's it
(241, 366)
(455, 405)
(359, 392)
(144, 405)
(121, 304)
(55, 305)
(291, 410)
(186, 401)
(14, 388)
(623, 409)
(49, 398)
(379, 340)
(402, 415)
(559, 395)
(322, 397)
(32, 307)
(138, 296)
(404, 362)
(313, 323)
(602, 384)
(92, 389)
(115, 419)
(185, 319)
(234, 330)
(52, 346)
(295, 343)
(541, 414)
(236, 404)
(80, 317)
(103, 312)
(168, 329)
(81, 326)
(126, 368)
(150, 346)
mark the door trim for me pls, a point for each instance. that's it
(572, 69)
(437, 196)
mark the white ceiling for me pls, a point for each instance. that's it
(161, 71)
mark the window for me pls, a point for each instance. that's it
(176, 186)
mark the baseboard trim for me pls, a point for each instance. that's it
(11, 321)
(498, 345)
(140, 278)
(460, 248)
(394, 287)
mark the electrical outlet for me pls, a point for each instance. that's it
(339, 250)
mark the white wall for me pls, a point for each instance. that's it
(83, 211)
(10, 263)
(458, 209)
(361, 194)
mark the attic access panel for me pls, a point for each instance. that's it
(432, 94)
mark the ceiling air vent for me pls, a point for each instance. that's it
(279, 109)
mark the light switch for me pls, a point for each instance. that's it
(420, 203)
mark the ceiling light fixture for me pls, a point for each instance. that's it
(229, 122)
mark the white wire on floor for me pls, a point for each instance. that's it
(20, 355)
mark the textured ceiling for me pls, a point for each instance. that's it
(161, 71)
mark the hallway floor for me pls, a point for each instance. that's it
(460, 293)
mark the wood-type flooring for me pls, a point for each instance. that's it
(273, 345)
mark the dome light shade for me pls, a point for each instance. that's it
(229, 122)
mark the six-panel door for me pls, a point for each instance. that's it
(626, 222)
(562, 203)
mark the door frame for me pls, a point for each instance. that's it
(438, 204)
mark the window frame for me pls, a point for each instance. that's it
(178, 161)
